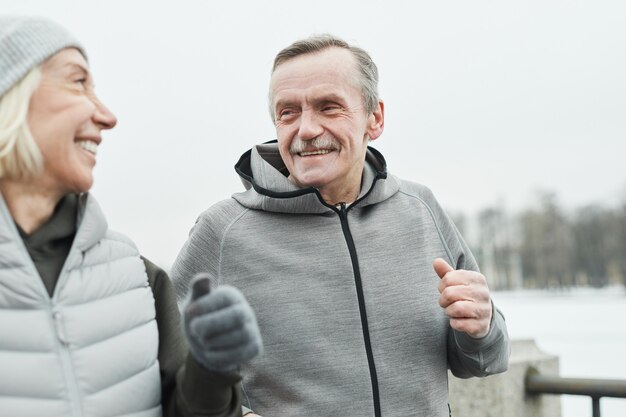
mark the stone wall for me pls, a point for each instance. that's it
(504, 395)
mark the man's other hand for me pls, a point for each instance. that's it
(465, 299)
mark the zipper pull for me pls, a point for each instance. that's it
(58, 325)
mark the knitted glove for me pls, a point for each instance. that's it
(220, 326)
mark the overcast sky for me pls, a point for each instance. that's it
(486, 101)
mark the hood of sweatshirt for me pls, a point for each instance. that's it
(264, 176)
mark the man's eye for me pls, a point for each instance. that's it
(286, 114)
(331, 108)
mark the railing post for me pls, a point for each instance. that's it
(595, 404)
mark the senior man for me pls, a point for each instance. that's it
(365, 292)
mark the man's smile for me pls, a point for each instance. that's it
(315, 152)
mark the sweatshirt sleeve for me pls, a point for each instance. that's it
(488, 355)
(187, 389)
(468, 356)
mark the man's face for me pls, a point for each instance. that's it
(321, 122)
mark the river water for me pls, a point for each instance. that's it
(584, 327)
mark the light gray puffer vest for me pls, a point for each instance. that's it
(91, 349)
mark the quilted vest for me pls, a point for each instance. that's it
(91, 349)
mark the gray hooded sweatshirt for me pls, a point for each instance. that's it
(346, 296)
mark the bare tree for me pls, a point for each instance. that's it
(498, 253)
(546, 247)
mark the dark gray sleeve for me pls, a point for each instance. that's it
(203, 393)
(187, 389)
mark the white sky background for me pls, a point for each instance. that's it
(486, 101)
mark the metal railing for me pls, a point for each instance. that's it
(536, 383)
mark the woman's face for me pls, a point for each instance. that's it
(66, 120)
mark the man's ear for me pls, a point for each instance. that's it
(376, 121)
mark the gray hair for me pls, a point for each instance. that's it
(367, 70)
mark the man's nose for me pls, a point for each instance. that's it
(310, 125)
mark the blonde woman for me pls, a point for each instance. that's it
(89, 328)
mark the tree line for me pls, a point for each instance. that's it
(549, 247)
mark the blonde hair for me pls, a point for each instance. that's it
(20, 156)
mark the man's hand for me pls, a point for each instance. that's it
(220, 326)
(465, 299)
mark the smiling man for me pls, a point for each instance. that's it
(365, 292)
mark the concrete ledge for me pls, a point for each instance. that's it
(504, 394)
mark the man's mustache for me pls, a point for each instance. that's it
(321, 142)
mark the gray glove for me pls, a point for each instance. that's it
(220, 326)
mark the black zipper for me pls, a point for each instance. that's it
(343, 216)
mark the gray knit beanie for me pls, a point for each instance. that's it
(26, 42)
